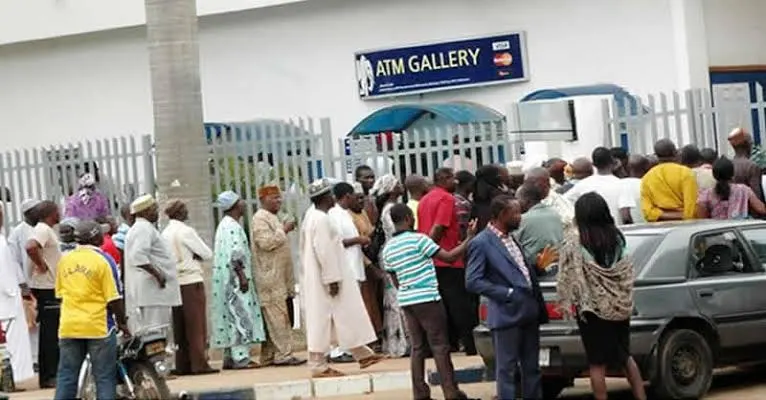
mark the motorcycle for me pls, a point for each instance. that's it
(141, 368)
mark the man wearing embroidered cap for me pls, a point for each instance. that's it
(237, 321)
(151, 283)
(330, 291)
(746, 171)
(274, 277)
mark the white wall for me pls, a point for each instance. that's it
(736, 32)
(26, 20)
(297, 60)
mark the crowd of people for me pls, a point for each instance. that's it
(379, 278)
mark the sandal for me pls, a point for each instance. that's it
(371, 360)
(249, 365)
(289, 362)
(328, 373)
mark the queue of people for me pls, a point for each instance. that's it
(164, 287)
(379, 278)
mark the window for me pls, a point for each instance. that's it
(757, 240)
(719, 253)
(641, 248)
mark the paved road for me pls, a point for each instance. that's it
(733, 384)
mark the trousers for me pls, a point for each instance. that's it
(462, 307)
(103, 358)
(190, 329)
(427, 325)
(518, 347)
(48, 314)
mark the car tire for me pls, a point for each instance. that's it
(684, 366)
(552, 387)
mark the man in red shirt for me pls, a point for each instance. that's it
(109, 227)
(437, 218)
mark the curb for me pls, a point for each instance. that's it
(308, 388)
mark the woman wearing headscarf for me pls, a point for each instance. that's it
(595, 282)
(490, 182)
(387, 190)
(88, 203)
(236, 312)
(728, 200)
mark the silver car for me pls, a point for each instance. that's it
(699, 303)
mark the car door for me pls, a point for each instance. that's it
(733, 297)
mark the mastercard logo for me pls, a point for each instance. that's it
(503, 59)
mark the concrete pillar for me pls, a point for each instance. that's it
(690, 42)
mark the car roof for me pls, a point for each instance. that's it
(689, 226)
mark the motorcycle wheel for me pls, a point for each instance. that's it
(148, 385)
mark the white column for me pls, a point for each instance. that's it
(690, 42)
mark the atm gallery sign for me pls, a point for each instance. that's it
(441, 66)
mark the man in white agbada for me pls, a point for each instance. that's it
(352, 245)
(151, 282)
(335, 312)
(12, 316)
(17, 240)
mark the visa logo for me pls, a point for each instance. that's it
(498, 46)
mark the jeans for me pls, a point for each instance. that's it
(103, 358)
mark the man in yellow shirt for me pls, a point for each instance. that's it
(417, 187)
(668, 190)
(88, 284)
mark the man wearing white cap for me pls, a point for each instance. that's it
(746, 171)
(330, 291)
(17, 241)
(151, 284)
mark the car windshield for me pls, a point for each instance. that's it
(639, 246)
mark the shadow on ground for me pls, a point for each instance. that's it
(731, 380)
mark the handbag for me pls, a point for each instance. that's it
(377, 241)
(30, 311)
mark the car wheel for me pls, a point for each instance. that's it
(684, 366)
(552, 387)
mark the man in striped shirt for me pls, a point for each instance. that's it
(408, 255)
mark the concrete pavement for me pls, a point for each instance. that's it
(390, 380)
(275, 383)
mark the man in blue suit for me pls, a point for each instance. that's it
(497, 270)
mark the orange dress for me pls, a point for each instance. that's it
(372, 289)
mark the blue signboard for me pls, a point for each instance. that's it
(441, 66)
